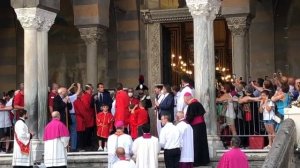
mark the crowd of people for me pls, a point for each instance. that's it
(118, 121)
(242, 107)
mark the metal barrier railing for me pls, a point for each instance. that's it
(248, 122)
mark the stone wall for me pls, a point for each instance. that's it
(261, 37)
(293, 41)
(11, 48)
(287, 37)
(128, 36)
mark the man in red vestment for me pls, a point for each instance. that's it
(122, 105)
(80, 113)
(90, 113)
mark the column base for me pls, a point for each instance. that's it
(214, 143)
(37, 150)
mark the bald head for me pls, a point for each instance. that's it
(55, 114)
(62, 91)
(187, 98)
(180, 115)
(120, 152)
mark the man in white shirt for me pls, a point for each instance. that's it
(123, 162)
(119, 139)
(187, 142)
(73, 132)
(158, 98)
(186, 87)
(169, 139)
(146, 149)
(176, 93)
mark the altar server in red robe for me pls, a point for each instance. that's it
(104, 122)
(139, 118)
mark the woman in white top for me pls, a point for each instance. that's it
(267, 108)
(5, 122)
(230, 113)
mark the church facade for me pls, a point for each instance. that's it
(110, 41)
(106, 41)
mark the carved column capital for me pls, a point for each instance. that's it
(35, 18)
(91, 35)
(207, 8)
(238, 25)
(146, 16)
(48, 20)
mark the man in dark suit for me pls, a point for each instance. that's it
(166, 106)
(101, 97)
(62, 104)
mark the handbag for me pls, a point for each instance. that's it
(221, 109)
(276, 119)
(247, 110)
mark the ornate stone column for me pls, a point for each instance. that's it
(204, 12)
(154, 51)
(30, 23)
(212, 128)
(239, 25)
(103, 57)
(47, 18)
(91, 36)
(36, 22)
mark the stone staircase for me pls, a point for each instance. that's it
(99, 159)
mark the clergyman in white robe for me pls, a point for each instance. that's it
(181, 105)
(124, 163)
(23, 135)
(159, 99)
(56, 139)
(146, 150)
(187, 143)
(114, 141)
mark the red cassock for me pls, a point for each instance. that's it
(134, 101)
(142, 116)
(104, 124)
(133, 126)
(80, 114)
(138, 118)
(89, 112)
(122, 104)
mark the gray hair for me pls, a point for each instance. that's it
(235, 141)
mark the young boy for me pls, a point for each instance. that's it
(105, 122)
(139, 117)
